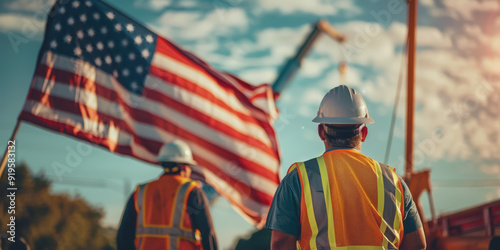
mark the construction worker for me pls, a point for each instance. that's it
(343, 199)
(170, 212)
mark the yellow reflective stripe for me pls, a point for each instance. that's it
(184, 203)
(398, 215)
(309, 204)
(381, 193)
(294, 166)
(328, 201)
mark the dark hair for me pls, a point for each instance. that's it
(170, 166)
(349, 142)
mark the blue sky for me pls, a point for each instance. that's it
(457, 87)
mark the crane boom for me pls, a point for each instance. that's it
(293, 64)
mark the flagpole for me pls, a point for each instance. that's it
(5, 154)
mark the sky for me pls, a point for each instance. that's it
(457, 88)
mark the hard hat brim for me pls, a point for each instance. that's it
(343, 120)
(177, 160)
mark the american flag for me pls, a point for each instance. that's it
(104, 78)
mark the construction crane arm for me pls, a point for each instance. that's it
(293, 64)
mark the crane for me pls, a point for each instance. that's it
(293, 64)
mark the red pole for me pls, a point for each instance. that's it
(410, 90)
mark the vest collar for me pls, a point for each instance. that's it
(337, 148)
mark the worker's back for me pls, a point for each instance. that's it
(162, 218)
(348, 199)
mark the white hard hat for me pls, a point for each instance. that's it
(176, 151)
(343, 105)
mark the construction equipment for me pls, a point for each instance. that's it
(293, 64)
(461, 230)
(473, 228)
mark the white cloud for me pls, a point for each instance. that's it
(491, 170)
(432, 37)
(367, 43)
(313, 96)
(490, 40)
(476, 32)
(157, 5)
(313, 68)
(466, 8)
(497, 22)
(309, 101)
(494, 43)
(427, 2)
(29, 26)
(258, 76)
(427, 36)
(465, 43)
(491, 65)
(349, 7)
(318, 7)
(291, 6)
(188, 25)
(161, 5)
(31, 5)
(454, 98)
(450, 95)
(280, 43)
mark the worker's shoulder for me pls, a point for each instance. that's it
(292, 173)
(294, 166)
(382, 165)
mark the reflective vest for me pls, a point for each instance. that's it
(162, 218)
(349, 201)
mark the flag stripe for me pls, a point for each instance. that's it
(92, 74)
(155, 111)
(187, 62)
(250, 210)
(92, 131)
(111, 81)
(218, 119)
(115, 141)
(64, 76)
(75, 100)
(205, 81)
(122, 146)
(60, 90)
(195, 89)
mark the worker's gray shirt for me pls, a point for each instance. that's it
(284, 214)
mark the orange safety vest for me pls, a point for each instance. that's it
(162, 218)
(350, 202)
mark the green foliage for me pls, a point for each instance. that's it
(52, 221)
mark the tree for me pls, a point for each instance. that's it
(51, 221)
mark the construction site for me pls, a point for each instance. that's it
(101, 97)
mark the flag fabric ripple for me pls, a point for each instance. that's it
(104, 78)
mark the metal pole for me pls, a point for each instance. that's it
(410, 90)
(5, 154)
